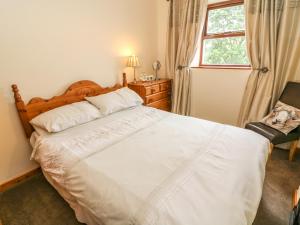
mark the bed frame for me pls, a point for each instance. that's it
(75, 93)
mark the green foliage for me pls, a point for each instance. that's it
(231, 50)
(225, 51)
(226, 20)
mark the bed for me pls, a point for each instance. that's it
(143, 166)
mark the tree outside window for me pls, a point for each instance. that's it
(223, 40)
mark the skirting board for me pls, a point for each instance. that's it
(11, 183)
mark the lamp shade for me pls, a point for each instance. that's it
(133, 61)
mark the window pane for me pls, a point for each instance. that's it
(225, 51)
(227, 19)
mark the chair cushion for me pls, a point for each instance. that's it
(275, 136)
(283, 117)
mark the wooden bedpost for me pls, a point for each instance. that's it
(124, 80)
(17, 95)
(22, 111)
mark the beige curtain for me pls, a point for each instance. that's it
(273, 39)
(186, 20)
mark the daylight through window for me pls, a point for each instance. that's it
(223, 40)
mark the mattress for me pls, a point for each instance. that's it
(143, 166)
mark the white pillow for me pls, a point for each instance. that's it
(108, 103)
(40, 131)
(67, 116)
(130, 96)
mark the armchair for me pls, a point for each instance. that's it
(290, 96)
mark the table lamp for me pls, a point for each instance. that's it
(133, 61)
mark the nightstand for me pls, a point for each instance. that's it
(155, 94)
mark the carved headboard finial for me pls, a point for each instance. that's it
(17, 95)
(124, 80)
(22, 111)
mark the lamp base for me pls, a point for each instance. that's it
(134, 78)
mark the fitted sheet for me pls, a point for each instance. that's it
(145, 166)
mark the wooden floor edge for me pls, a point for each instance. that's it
(14, 181)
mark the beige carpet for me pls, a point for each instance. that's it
(35, 202)
(282, 179)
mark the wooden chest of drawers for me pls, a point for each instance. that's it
(156, 94)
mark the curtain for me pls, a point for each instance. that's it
(273, 42)
(186, 20)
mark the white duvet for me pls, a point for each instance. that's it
(148, 167)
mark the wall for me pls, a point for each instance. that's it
(217, 94)
(46, 45)
(162, 26)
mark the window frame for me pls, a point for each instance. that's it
(206, 36)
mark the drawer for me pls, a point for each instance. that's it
(152, 89)
(165, 86)
(163, 104)
(153, 98)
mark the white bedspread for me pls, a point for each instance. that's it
(147, 167)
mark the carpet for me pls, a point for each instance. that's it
(35, 202)
(282, 179)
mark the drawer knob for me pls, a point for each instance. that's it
(152, 90)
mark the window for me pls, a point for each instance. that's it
(223, 39)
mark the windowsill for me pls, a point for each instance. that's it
(223, 67)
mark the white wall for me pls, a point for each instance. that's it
(162, 26)
(217, 94)
(46, 45)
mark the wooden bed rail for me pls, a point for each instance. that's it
(74, 93)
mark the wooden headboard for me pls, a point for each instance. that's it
(75, 93)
